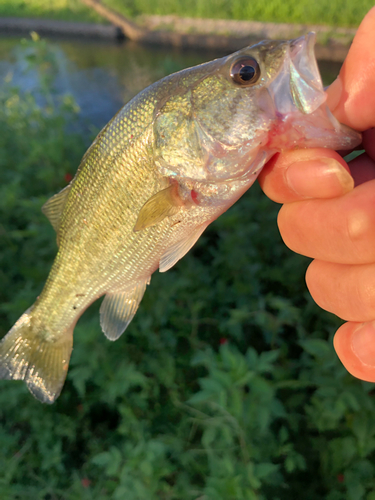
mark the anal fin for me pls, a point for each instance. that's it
(179, 249)
(118, 309)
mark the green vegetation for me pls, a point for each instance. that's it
(64, 10)
(333, 13)
(224, 387)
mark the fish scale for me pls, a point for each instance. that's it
(169, 163)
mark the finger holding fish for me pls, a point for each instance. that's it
(338, 230)
(345, 290)
(305, 174)
(351, 97)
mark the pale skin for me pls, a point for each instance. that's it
(329, 215)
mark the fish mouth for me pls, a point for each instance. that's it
(298, 87)
(301, 117)
(305, 82)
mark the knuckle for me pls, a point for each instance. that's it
(358, 228)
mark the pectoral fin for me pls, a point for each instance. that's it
(118, 309)
(179, 249)
(163, 204)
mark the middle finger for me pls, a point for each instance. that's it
(338, 230)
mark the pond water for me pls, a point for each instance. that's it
(101, 75)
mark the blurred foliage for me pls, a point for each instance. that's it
(333, 13)
(224, 387)
(65, 10)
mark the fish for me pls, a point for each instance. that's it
(170, 162)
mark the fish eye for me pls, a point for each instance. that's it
(245, 71)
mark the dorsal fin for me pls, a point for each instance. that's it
(54, 207)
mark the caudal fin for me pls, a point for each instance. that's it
(40, 359)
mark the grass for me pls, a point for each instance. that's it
(333, 13)
(344, 13)
(64, 10)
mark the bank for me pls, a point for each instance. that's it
(227, 35)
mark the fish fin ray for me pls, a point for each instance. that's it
(179, 249)
(53, 208)
(118, 309)
(42, 364)
(162, 204)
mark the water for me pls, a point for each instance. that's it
(102, 76)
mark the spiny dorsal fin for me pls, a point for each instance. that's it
(118, 309)
(179, 249)
(54, 207)
(163, 204)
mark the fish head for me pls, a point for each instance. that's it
(224, 119)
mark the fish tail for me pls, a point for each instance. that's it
(39, 358)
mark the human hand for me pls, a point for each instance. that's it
(325, 217)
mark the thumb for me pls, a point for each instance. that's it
(351, 96)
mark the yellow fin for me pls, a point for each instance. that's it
(163, 204)
(118, 309)
(54, 207)
(179, 249)
(38, 359)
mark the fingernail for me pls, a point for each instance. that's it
(319, 178)
(334, 92)
(363, 343)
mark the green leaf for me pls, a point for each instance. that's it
(316, 347)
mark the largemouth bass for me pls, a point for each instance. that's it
(169, 163)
